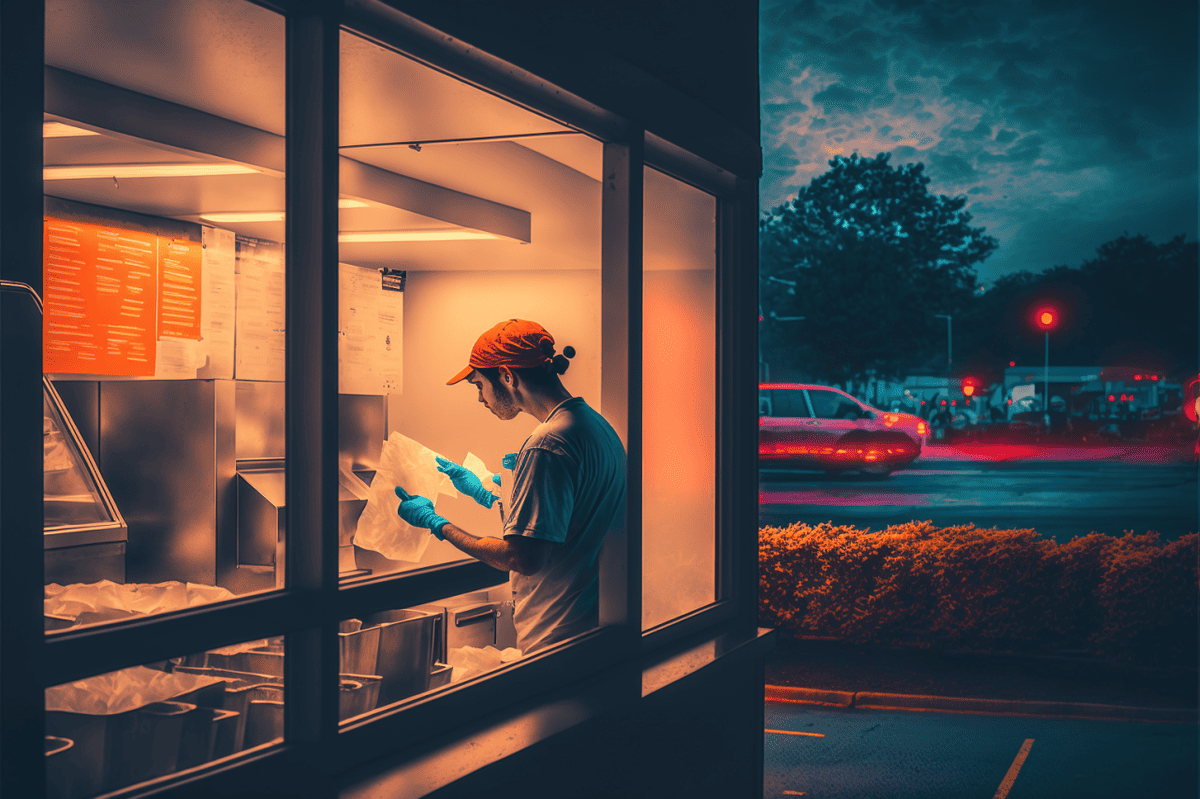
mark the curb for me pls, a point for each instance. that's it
(953, 704)
(809, 696)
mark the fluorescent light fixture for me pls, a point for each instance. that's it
(443, 234)
(59, 130)
(143, 171)
(249, 216)
(267, 216)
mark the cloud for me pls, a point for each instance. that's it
(840, 98)
(1027, 107)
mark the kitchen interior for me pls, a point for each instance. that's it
(164, 331)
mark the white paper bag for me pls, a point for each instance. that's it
(407, 463)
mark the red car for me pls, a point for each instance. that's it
(818, 427)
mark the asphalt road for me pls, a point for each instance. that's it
(1061, 498)
(869, 754)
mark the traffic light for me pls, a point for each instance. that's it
(970, 385)
(1046, 317)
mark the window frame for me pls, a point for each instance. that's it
(690, 169)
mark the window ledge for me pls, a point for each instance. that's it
(690, 661)
(416, 773)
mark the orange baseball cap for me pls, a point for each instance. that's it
(517, 343)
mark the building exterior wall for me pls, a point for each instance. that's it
(677, 711)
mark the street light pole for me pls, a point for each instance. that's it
(1046, 384)
(949, 341)
(1047, 319)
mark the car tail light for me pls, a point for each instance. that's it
(922, 428)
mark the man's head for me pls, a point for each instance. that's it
(515, 368)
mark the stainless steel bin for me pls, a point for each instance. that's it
(144, 743)
(405, 659)
(57, 773)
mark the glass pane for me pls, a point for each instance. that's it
(678, 400)
(460, 211)
(394, 655)
(788, 403)
(163, 291)
(113, 730)
(831, 405)
(71, 497)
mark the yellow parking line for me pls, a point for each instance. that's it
(1013, 770)
(790, 732)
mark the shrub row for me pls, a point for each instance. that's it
(1131, 597)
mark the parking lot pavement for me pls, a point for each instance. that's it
(849, 754)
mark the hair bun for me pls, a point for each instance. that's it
(560, 364)
(569, 351)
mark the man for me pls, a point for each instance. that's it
(568, 486)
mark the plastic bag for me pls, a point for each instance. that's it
(122, 691)
(471, 661)
(105, 600)
(408, 463)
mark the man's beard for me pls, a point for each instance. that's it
(503, 403)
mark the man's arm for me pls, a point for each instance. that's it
(516, 553)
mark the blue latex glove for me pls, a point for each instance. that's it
(418, 511)
(466, 481)
(507, 462)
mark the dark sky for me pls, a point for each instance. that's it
(1065, 122)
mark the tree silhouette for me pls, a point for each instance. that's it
(867, 255)
(1134, 304)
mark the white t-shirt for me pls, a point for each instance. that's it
(568, 488)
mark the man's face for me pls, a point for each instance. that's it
(495, 397)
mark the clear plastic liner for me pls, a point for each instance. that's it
(122, 691)
(106, 600)
(408, 463)
(471, 661)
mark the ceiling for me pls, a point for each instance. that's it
(483, 163)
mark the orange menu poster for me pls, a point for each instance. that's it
(100, 294)
(179, 289)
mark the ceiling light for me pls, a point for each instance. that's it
(249, 216)
(444, 234)
(267, 216)
(58, 130)
(143, 171)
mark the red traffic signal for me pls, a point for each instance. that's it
(1046, 317)
(969, 386)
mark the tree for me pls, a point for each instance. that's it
(1134, 304)
(867, 255)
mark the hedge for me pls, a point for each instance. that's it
(1132, 597)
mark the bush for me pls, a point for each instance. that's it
(1130, 597)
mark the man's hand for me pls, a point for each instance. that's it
(418, 511)
(466, 481)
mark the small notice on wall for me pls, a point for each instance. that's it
(259, 345)
(217, 310)
(179, 303)
(370, 333)
(100, 299)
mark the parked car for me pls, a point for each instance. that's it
(818, 427)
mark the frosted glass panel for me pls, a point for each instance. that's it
(679, 400)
